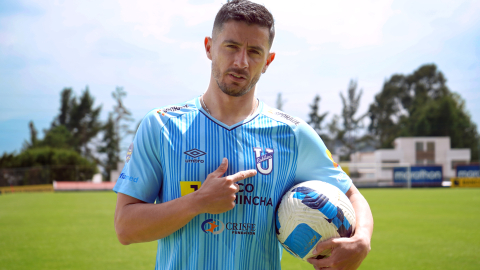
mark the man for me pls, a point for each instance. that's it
(218, 165)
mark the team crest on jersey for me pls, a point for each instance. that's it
(259, 159)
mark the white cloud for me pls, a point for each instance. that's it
(351, 24)
(155, 17)
(155, 50)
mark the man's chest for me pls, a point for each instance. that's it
(190, 154)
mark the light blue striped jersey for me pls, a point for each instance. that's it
(176, 147)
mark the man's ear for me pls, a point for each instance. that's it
(270, 58)
(208, 46)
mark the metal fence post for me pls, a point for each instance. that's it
(409, 177)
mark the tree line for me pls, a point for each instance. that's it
(77, 141)
(417, 104)
(412, 105)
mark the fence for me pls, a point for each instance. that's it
(362, 175)
(44, 175)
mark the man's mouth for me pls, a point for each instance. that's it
(237, 76)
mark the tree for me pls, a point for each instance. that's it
(110, 147)
(66, 102)
(316, 119)
(333, 133)
(75, 126)
(386, 113)
(57, 137)
(421, 104)
(121, 114)
(64, 153)
(280, 102)
(114, 130)
(351, 125)
(33, 136)
(84, 123)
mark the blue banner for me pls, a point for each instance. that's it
(420, 175)
(468, 170)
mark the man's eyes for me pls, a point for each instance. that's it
(231, 46)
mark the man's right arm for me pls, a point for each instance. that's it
(137, 221)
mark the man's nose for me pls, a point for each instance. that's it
(241, 59)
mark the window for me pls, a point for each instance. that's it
(431, 147)
(425, 156)
(419, 146)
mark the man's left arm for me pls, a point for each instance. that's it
(348, 253)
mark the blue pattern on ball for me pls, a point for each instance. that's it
(333, 214)
(302, 239)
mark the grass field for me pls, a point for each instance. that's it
(414, 229)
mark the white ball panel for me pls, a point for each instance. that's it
(292, 212)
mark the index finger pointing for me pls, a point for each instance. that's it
(242, 175)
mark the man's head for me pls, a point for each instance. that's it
(247, 12)
(240, 47)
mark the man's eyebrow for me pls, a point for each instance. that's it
(258, 48)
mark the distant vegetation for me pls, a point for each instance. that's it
(76, 142)
(417, 104)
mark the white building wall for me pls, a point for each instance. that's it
(390, 155)
(405, 153)
(462, 155)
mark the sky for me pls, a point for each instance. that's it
(155, 51)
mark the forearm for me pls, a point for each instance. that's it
(364, 217)
(137, 222)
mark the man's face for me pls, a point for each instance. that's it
(239, 53)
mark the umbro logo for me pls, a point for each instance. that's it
(194, 153)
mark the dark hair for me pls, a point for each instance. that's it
(245, 11)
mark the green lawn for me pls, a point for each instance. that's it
(414, 229)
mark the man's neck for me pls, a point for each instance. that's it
(228, 109)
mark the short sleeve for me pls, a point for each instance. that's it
(315, 161)
(141, 176)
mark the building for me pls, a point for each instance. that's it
(408, 151)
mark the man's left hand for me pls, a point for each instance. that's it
(347, 253)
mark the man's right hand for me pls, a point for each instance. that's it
(217, 193)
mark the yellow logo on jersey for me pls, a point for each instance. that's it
(331, 158)
(187, 187)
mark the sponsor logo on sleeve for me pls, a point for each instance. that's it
(171, 109)
(129, 153)
(331, 158)
(128, 177)
(285, 116)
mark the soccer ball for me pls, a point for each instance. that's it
(312, 212)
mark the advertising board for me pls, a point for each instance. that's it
(468, 171)
(421, 176)
(465, 182)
